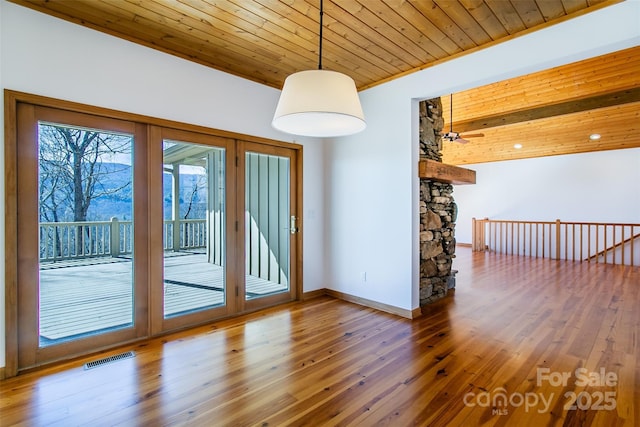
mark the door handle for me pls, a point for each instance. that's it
(293, 228)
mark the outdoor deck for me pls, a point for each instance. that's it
(82, 297)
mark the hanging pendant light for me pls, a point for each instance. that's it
(319, 102)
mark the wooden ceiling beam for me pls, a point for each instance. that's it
(551, 110)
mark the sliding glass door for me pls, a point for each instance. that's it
(229, 228)
(126, 230)
(78, 250)
(191, 199)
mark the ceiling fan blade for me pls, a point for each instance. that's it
(472, 135)
(461, 140)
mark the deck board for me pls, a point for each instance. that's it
(82, 296)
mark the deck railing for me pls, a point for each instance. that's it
(73, 240)
(611, 243)
(192, 233)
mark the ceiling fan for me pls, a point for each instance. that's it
(455, 136)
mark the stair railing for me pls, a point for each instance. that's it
(610, 243)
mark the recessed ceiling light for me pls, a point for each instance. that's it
(517, 146)
(594, 136)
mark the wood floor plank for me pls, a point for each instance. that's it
(327, 362)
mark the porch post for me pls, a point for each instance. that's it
(115, 237)
(175, 199)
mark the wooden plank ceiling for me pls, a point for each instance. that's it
(266, 40)
(549, 112)
(375, 41)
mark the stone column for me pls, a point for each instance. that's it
(438, 212)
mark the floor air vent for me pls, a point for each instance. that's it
(107, 360)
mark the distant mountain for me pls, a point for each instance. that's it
(116, 187)
(116, 199)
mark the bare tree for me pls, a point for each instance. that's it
(72, 168)
(193, 203)
(193, 199)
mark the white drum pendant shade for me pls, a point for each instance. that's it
(319, 103)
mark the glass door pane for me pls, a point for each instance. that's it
(194, 227)
(267, 225)
(85, 209)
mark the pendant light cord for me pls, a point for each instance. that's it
(320, 47)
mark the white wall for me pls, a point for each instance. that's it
(50, 57)
(368, 200)
(372, 194)
(589, 187)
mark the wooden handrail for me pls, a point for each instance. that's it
(559, 240)
(615, 246)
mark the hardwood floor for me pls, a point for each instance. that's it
(493, 353)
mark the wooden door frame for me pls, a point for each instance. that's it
(11, 100)
(160, 324)
(30, 353)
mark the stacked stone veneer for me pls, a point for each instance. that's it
(438, 213)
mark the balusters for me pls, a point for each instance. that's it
(607, 243)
